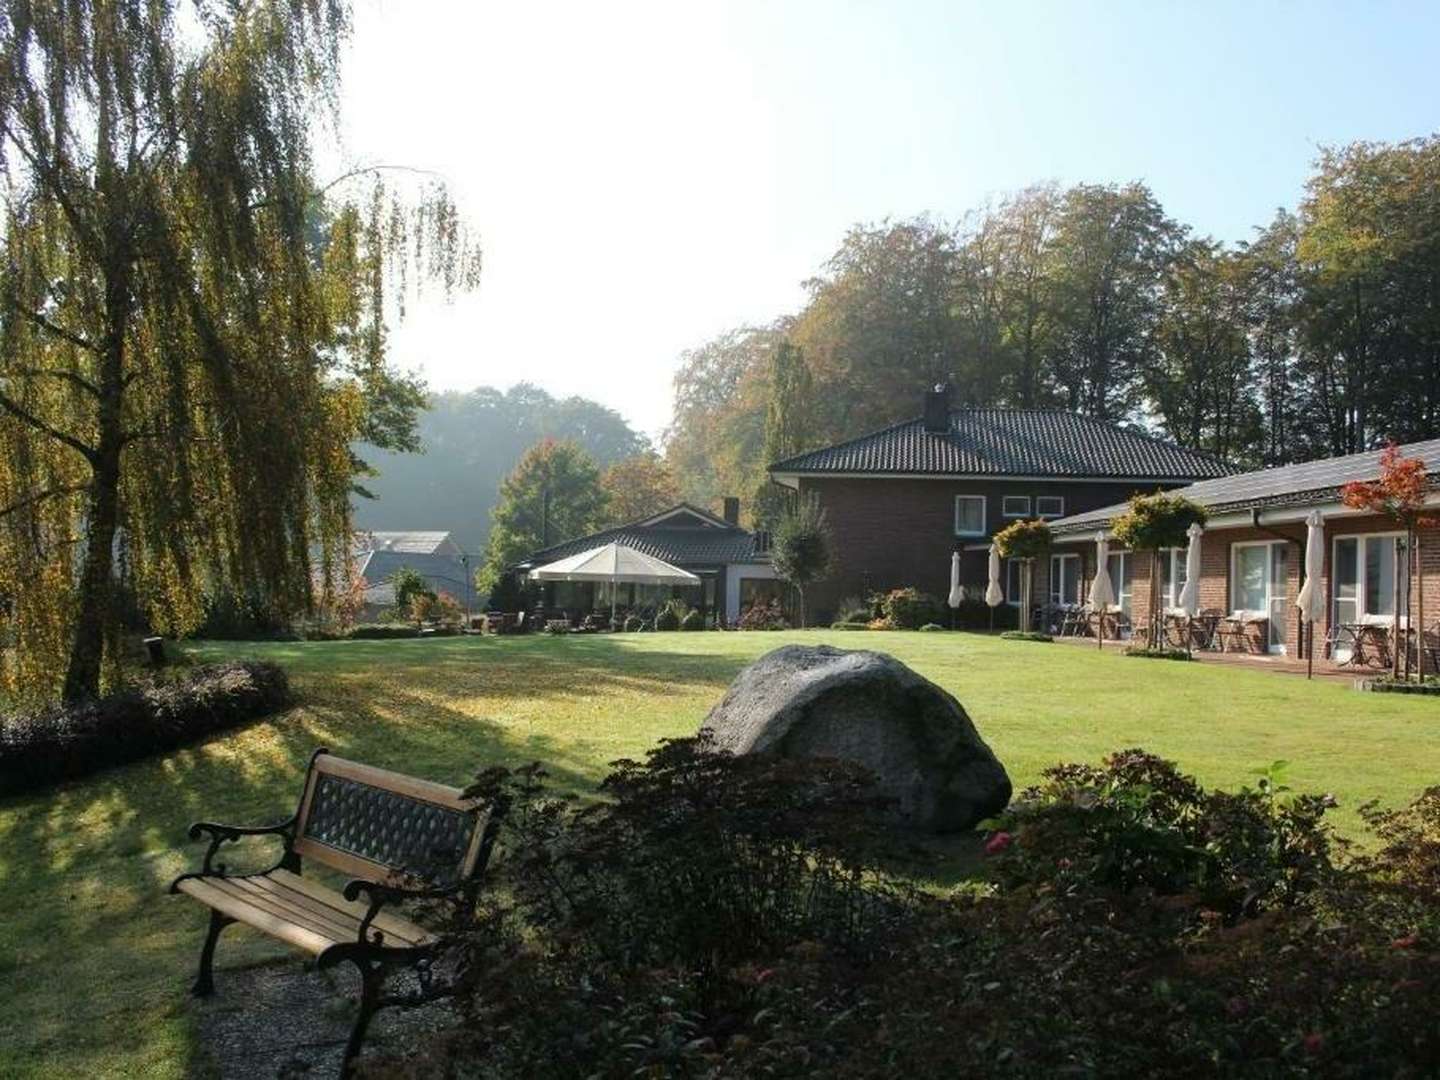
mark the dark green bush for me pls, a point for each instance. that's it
(667, 620)
(693, 620)
(1026, 635)
(59, 742)
(850, 626)
(380, 631)
(854, 609)
(931, 627)
(634, 624)
(672, 930)
(910, 609)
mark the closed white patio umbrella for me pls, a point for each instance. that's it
(1190, 592)
(1102, 592)
(994, 595)
(957, 594)
(614, 563)
(1311, 600)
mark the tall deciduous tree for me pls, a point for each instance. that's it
(553, 495)
(788, 424)
(191, 325)
(638, 487)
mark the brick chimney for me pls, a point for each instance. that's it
(937, 409)
(732, 510)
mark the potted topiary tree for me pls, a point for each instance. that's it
(1026, 541)
(1153, 523)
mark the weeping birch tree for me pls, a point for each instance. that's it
(192, 319)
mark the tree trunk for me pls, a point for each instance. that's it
(96, 593)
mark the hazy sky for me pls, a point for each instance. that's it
(644, 176)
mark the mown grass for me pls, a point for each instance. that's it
(95, 958)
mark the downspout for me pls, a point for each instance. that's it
(1299, 622)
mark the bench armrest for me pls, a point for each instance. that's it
(227, 834)
(379, 894)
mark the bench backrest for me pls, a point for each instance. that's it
(384, 826)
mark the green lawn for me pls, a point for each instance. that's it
(95, 959)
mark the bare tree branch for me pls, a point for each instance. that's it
(88, 452)
(39, 497)
(78, 340)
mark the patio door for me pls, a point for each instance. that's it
(1258, 575)
(1362, 571)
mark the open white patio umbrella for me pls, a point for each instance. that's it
(1102, 592)
(957, 594)
(614, 563)
(994, 595)
(1311, 600)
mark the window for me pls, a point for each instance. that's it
(969, 515)
(1172, 576)
(1259, 581)
(1014, 581)
(1049, 506)
(1119, 567)
(1363, 573)
(1065, 579)
(1015, 506)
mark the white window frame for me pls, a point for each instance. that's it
(1123, 583)
(1041, 514)
(1272, 630)
(1362, 587)
(1057, 574)
(1005, 510)
(984, 515)
(1017, 566)
(1177, 557)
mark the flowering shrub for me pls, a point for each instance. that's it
(762, 616)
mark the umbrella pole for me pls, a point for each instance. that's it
(1310, 650)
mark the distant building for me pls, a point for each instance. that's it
(901, 500)
(731, 562)
(435, 556)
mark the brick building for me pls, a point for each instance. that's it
(901, 500)
(1253, 548)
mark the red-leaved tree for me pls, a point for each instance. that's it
(1399, 494)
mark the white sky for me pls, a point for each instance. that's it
(645, 175)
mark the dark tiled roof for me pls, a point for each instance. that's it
(1286, 485)
(679, 546)
(441, 571)
(1010, 442)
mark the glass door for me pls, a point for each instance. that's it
(1257, 586)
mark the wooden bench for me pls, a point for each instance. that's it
(399, 838)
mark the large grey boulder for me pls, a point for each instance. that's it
(866, 707)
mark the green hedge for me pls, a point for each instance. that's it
(1025, 635)
(60, 742)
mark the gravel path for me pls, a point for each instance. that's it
(285, 1019)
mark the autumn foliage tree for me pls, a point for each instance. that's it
(192, 322)
(1399, 493)
(638, 487)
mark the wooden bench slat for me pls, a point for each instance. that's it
(336, 925)
(240, 909)
(393, 925)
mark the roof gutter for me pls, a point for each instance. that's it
(1255, 523)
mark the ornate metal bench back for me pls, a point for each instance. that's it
(380, 825)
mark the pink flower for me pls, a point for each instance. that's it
(998, 843)
(1314, 1042)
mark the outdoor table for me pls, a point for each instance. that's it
(1203, 629)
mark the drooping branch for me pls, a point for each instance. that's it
(78, 340)
(41, 496)
(15, 409)
(72, 377)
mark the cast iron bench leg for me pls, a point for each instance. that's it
(372, 977)
(204, 981)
